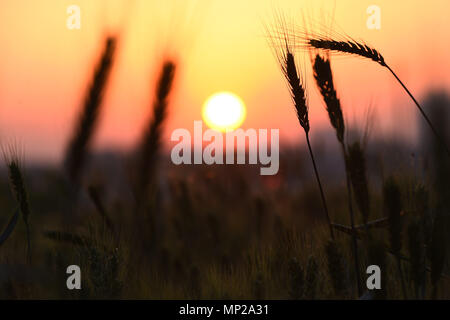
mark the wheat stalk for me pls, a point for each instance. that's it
(363, 50)
(324, 80)
(286, 59)
(350, 47)
(299, 99)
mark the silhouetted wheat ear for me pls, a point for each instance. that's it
(79, 144)
(349, 47)
(297, 89)
(358, 176)
(324, 80)
(19, 190)
(286, 60)
(151, 142)
(363, 50)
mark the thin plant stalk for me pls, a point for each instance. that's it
(427, 119)
(360, 49)
(322, 194)
(352, 223)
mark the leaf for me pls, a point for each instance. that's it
(10, 227)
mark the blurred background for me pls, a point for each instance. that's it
(44, 66)
(104, 194)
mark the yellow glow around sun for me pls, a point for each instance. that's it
(224, 111)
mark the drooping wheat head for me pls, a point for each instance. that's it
(360, 49)
(349, 47)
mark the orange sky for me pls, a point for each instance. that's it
(44, 66)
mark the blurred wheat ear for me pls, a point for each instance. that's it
(363, 50)
(17, 183)
(86, 124)
(150, 145)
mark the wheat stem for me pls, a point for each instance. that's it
(363, 50)
(427, 119)
(352, 221)
(322, 194)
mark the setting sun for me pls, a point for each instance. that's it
(224, 111)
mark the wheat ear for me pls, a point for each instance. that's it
(290, 71)
(79, 144)
(151, 141)
(363, 50)
(324, 80)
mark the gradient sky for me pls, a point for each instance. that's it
(44, 67)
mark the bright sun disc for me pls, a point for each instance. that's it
(224, 111)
